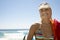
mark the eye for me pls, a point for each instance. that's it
(41, 10)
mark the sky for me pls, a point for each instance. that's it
(21, 14)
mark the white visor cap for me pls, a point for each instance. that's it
(44, 5)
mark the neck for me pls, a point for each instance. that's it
(46, 21)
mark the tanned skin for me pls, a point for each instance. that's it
(45, 15)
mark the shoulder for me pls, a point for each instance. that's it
(35, 26)
(32, 30)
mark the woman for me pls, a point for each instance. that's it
(47, 29)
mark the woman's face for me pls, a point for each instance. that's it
(45, 12)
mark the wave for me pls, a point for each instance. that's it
(13, 34)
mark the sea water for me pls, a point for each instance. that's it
(13, 34)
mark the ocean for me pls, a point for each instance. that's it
(13, 34)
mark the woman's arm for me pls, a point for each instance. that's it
(32, 30)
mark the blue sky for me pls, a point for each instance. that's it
(18, 14)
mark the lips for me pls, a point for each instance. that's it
(45, 14)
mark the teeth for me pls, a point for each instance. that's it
(44, 15)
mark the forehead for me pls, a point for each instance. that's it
(45, 8)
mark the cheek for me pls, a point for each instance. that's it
(49, 15)
(40, 14)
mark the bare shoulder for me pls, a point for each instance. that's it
(32, 30)
(34, 26)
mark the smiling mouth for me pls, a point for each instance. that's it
(45, 14)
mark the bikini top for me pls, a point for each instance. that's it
(39, 34)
